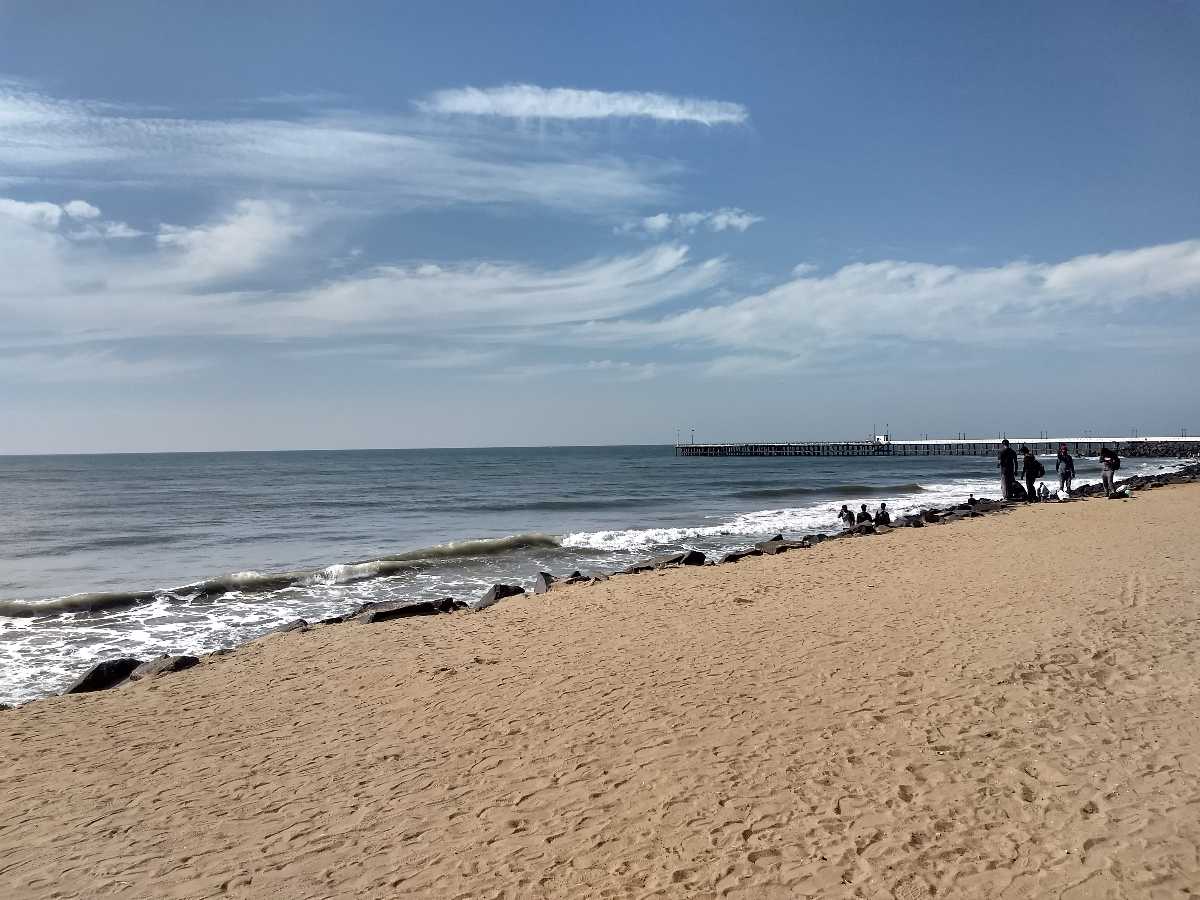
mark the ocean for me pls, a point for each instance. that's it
(142, 554)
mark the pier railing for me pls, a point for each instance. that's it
(1078, 446)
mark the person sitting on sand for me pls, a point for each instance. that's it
(1109, 463)
(883, 517)
(863, 515)
(1065, 467)
(1043, 492)
(846, 516)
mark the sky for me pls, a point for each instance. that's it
(327, 225)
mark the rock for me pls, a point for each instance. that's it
(914, 521)
(162, 666)
(495, 594)
(778, 537)
(778, 545)
(543, 582)
(882, 529)
(294, 625)
(864, 528)
(686, 558)
(104, 675)
(930, 515)
(404, 609)
(736, 555)
(815, 539)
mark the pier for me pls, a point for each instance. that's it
(882, 446)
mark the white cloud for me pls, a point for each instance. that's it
(39, 214)
(354, 158)
(892, 301)
(81, 209)
(89, 366)
(529, 101)
(207, 279)
(724, 219)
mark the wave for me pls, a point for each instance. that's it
(579, 505)
(836, 490)
(264, 582)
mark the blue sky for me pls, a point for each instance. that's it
(371, 225)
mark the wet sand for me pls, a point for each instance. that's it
(1001, 707)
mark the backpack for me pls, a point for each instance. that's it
(1115, 462)
(1038, 469)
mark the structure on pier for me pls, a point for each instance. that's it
(883, 446)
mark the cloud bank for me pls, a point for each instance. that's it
(725, 219)
(528, 101)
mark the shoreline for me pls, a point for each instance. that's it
(964, 711)
(112, 671)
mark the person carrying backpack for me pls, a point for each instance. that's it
(1032, 469)
(1109, 463)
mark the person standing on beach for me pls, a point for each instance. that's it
(846, 516)
(1032, 469)
(1065, 467)
(1008, 469)
(1109, 463)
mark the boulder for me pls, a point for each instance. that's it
(685, 558)
(495, 594)
(404, 609)
(104, 675)
(778, 545)
(294, 625)
(930, 515)
(543, 582)
(815, 539)
(162, 666)
(864, 528)
(882, 529)
(736, 555)
(914, 521)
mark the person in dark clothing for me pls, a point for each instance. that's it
(1032, 470)
(1109, 463)
(971, 501)
(883, 517)
(846, 516)
(863, 515)
(1065, 467)
(1008, 469)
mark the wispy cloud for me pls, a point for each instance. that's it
(725, 219)
(529, 101)
(893, 303)
(353, 157)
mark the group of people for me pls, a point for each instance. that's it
(1010, 486)
(864, 516)
(1032, 469)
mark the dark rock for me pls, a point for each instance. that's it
(778, 545)
(864, 528)
(294, 625)
(740, 554)
(495, 594)
(162, 666)
(543, 582)
(815, 539)
(686, 558)
(104, 675)
(404, 609)
(914, 521)
(882, 529)
(778, 537)
(930, 515)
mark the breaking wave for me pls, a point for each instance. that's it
(262, 582)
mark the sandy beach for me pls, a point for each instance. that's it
(1002, 707)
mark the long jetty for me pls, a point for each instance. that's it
(1079, 446)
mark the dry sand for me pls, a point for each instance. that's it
(1005, 707)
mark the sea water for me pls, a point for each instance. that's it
(142, 554)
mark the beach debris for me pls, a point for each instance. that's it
(162, 666)
(104, 675)
(495, 594)
(404, 609)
